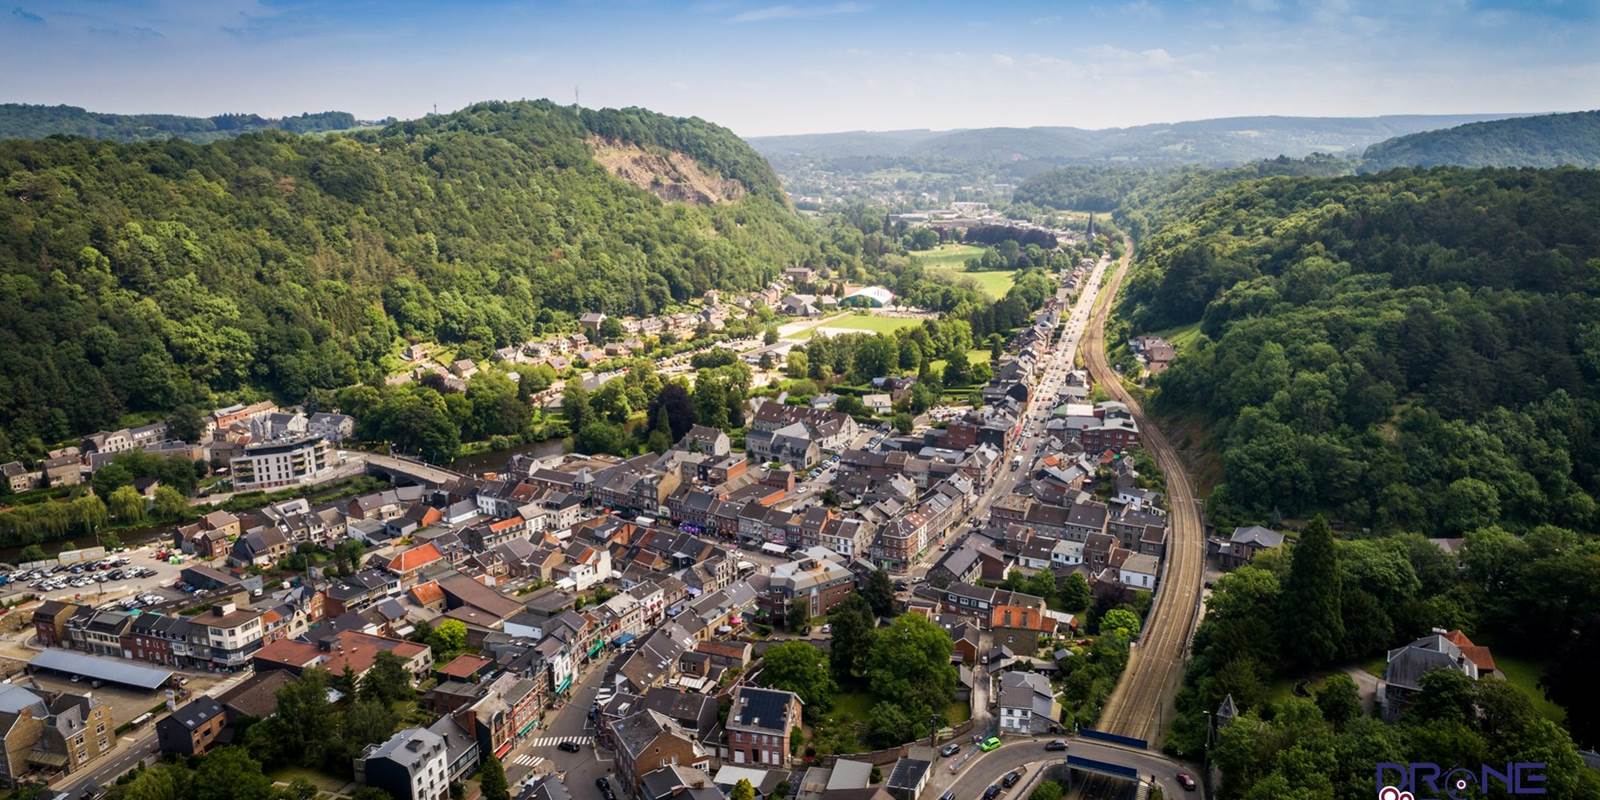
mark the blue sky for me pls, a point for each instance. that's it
(794, 66)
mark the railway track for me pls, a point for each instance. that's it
(1140, 704)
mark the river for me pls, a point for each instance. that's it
(495, 460)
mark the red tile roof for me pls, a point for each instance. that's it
(464, 666)
(1476, 653)
(416, 558)
(427, 593)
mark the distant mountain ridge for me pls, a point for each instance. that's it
(1549, 140)
(1231, 140)
(21, 121)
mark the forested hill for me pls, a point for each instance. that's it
(19, 121)
(1551, 140)
(1416, 350)
(154, 274)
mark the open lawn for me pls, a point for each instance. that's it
(1182, 337)
(854, 322)
(323, 781)
(974, 356)
(951, 261)
(1524, 675)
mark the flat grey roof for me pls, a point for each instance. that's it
(106, 669)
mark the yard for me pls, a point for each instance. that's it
(974, 356)
(951, 261)
(325, 783)
(1182, 337)
(853, 709)
(1524, 675)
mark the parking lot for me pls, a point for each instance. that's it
(125, 574)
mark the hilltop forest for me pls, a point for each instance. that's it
(151, 275)
(1416, 350)
(1550, 140)
(20, 121)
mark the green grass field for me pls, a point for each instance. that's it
(1182, 337)
(1524, 675)
(951, 260)
(856, 322)
(974, 356)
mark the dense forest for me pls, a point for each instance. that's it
(151, 275)
(18, 121)
(1551, 140)
(1412, 351)
(1324, 614)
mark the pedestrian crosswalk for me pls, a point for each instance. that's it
(525, 760)
(552, 741)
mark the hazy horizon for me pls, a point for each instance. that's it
(768, 67)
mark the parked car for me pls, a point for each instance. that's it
(992, 792)
(1056, 745)
(950, 749)
(1011, 779)
(1186, 781)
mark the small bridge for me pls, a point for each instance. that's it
(409, 472)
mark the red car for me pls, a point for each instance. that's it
(1186, 781)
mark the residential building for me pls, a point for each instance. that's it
(760, 722)
(193, 728)
(411, 765)
(649, 740)
(1402, 674)
(1243, 545)
(1027, 703)
(274, 464)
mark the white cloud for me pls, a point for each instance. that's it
(786, 11)
(1003, 60)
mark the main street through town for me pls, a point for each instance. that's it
(1140, 705)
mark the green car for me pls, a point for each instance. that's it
(991, 743)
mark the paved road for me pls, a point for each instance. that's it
(132, 749)
(980, 772)
(1141, 704)
(571, 722)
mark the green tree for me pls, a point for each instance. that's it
(1470, 504)
(660, 439)
(230, 774)
(492, 780)
(796, 365)
(769, 337)
(1339, 699)
(169, 504)
(1311, 628)
(879, 593)
(575, 405)
(127, 505)
(799, 667)
(851, 623)
(903, 422)
(1047, 790)
(32, 553)
(89, 513)
(743, 790)
(1074, 592)
(447, 639)
(1120, 620)
(387, 680)
(909, 666)
(798, 618)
